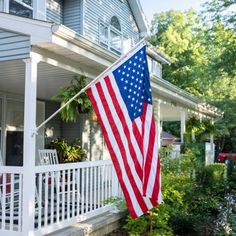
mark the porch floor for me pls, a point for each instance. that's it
(96, 226)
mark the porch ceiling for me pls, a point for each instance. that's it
(50, 79)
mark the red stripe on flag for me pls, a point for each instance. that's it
(113, 156)
(122, 149)
(126, 129)
(156, 189)
(149, 157)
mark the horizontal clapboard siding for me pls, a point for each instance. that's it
(13, 46)
(73, 15)
(55, 11)
(104, 10)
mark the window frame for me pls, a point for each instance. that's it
(110, 29)
(20, 2)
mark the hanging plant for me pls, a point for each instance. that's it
(81, 104)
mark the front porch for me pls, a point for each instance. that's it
(65, 194)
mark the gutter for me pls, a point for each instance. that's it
(187, 98)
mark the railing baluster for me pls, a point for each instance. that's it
(106, 182)
(58, 193)
(63, 195)
(52, 196)
(4, 201)
(78, 191)
(46, 200)
(82, 192)
(68, 194)
(20, 203)
(12, 198)
(73, 193)
(39, 199)
(87, 192)
(99, 186)
(91, 189)
(102, 188)
(95, 187)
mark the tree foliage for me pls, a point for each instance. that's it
(203, 52)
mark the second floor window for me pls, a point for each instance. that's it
(110, 35)
(21, 8)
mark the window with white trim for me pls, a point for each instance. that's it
(110, 35)
(21, 8)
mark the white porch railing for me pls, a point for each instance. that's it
(11, 200)
(172, 153)
(64, 195)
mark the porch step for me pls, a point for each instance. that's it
(97, 226)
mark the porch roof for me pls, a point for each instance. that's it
(64, 52)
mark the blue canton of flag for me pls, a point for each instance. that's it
(132, 78)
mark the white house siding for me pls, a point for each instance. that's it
(104, 10)
(73, 15)
(13, 46)
(55, 11)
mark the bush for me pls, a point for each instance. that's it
(68, 152)
(213, 177)
(231, 173)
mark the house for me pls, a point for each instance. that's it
(43, 43)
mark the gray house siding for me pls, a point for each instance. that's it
(73, 15)
(13, 46)
(55, 124)
(55, 11)
(104, 10)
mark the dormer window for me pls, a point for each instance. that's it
(115, 23)
(21, 8)
(110, 35)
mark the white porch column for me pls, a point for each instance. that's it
(212, 144)
(159, 123)
(183, 125)
(6, 6)
(29, 146)
(39, 7)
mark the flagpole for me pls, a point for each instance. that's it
(89, 84)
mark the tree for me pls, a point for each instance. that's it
(203, 51)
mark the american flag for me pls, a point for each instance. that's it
(122, 100)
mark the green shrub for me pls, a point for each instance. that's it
(231, 173)
(68, 152)
(212, 177)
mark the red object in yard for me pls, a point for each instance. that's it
(222, 157)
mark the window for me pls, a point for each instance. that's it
(155, 67)
(21, 8)
(110, 35)
(115, 23)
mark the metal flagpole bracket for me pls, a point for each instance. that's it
(34, 132)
